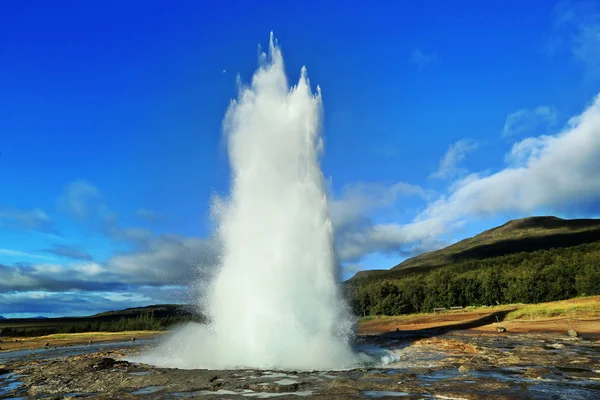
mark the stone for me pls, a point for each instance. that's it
(573, 333)
(464, 369)
(104, 363)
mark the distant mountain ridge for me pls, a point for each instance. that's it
(520, 235)
(153, 317)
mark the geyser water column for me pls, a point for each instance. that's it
(275, 300)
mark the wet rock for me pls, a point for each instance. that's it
(536, 373)
(463, 369)
(573, 333)
(4, 371)
(107, 362)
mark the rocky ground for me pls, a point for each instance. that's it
(459, 365)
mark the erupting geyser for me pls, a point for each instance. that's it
(275, 301)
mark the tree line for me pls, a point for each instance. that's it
(142, 322)
(540, 276)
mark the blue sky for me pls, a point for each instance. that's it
(440, 121)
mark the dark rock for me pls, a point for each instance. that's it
(4, 371)
(104, 363)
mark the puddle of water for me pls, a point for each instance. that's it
(275, 375)
(58, 352)
(286, 381)
(245, 393)
(148, 390)
(269, 395)
(141, 373)
(9, 387)
(573, 369)
(439, 375)
(381, 393)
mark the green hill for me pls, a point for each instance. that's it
(516, 236)
(154, 317)
(530, 260)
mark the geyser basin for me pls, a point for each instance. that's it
(275, 301)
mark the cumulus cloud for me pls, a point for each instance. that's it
(56, 277)
(356, 232)
(30, 303)
(551, 172)
(164, 260)
(33, 220)
(73, 252)
(168, 259)
(554, 172)
(449, 164)
(421, 59)
(524, 121)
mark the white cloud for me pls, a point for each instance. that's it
(31, 303)
(81, 200)
(525, 150)
(35, 220)
(554, 172)
(90, 269)
(356, 234)
(164, 260)
(167, 259)
(577, 28)
(17, 253)
(421, 59)
(73, 252)
(526, 121)
(551, 172)
(456, 153)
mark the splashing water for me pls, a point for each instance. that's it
(274, 302)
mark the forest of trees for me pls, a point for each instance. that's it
(144, 321)
(540, 276)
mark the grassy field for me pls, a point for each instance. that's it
(95, 335)
(69, 339)
(583, 307)
(580, 308)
